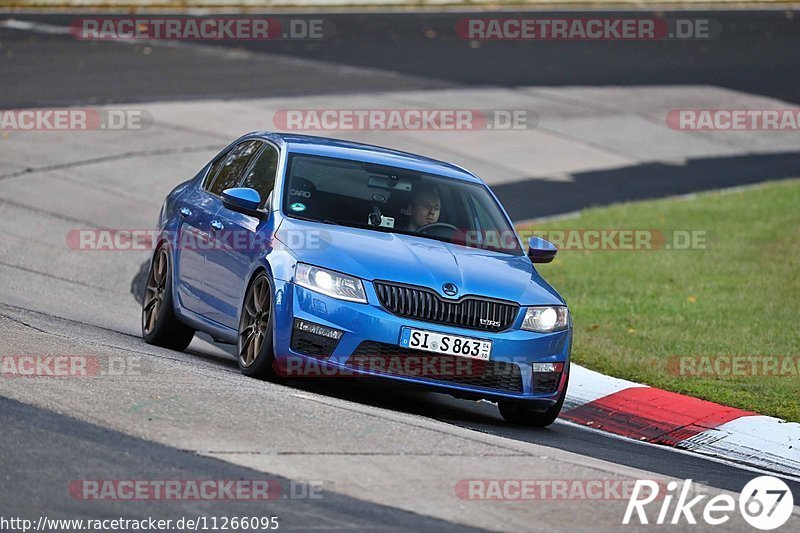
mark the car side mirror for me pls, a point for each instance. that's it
(541, 250)
(243, 200)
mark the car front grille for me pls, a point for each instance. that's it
(421, 303)
(395, 360)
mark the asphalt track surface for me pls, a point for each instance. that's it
(755, 52)
(44, 447)
(49, 452)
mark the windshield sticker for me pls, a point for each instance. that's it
(297, 207)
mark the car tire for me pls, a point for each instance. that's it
(254, 349)
(160, 326)
(517, 413)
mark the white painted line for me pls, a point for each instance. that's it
(765, 441)
(37, 27)
(715, 459)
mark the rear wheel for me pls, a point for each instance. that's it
(517, 413)
(254, 344)
(160, 326)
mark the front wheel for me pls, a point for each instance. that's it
(254, 345)
(160, 326)
(518, 413)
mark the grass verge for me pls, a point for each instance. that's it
(670, 317)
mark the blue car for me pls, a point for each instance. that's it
(319, 257)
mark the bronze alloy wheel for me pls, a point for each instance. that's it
(255, 321)
(154, 292)
(160, 325)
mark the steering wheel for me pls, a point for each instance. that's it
(435, 226)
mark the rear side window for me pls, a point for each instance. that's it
(231, 172)
(262, 175)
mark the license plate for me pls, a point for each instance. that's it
(445, 344)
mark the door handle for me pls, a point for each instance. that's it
(185, 211)
(217, 225)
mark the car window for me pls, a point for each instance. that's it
(231, 172)
(262, 175)
(212, 172)
(486, 224)
(395, 200)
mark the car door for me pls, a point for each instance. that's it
(230, 175)
(245, 239)
(196, 210)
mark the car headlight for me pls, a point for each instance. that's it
(331, 283)
(546, 319)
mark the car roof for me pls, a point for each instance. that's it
(325, 146)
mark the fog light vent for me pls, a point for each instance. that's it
(314, 339)
(546, 377)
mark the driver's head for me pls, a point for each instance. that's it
(426, 206)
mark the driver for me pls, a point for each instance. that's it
(425, 207)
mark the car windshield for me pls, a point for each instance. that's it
(396, 200)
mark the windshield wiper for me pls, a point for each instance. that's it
(320, 220)
(382, 229)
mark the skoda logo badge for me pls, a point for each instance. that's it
(450, 289)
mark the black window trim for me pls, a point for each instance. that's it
(228, 155)
(265, 142)
(222, 155)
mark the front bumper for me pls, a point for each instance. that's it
(364, 326)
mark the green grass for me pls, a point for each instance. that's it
(740, 295)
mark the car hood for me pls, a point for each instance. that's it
(374, 255)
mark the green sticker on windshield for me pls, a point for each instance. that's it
(297, 206)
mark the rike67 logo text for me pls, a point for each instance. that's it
(765, 503)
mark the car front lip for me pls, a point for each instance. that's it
(370, 322)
